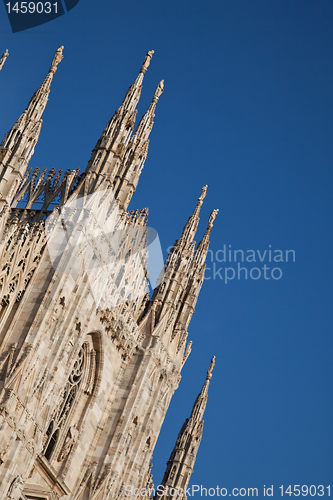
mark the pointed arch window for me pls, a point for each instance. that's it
(98, 157)
(68, 397)
(63, 429)
(173, 472)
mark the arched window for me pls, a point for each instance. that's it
(66, 422)
(173, 472)
(68, 397)
(98, 157)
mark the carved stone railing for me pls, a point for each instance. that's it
(43, 189)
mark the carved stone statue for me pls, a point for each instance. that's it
(203, 193)
(71, 438)
(212, 217)
(159, 90)
(3, 453)
(15, 488)
(210, 369)
(3, 58)
(57, 58)
(146, 62)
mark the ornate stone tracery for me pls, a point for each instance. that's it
(63, 430)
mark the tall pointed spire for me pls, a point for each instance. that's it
(136, 153)
(146, 123)
(19, 143)
(133, 94)
(111, 146)
(3, 58)
(107, 165)
(195, 273)
(183, 277)
(178, 263)
(182, 459)
(202, 249)
(191, 226)
(201, 401)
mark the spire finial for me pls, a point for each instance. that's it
(146, 62)
(212, 217)
(202, 248)
(158, 91)
(200, 202)
(210, 369)
(3, 58)
(56, 60)
(203, 193)
(191, 225)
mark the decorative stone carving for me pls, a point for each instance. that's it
(71, 438)
(3, 453)
(15, 488)
(3, 58)
(147, 60)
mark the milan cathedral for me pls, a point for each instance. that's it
(85, 385)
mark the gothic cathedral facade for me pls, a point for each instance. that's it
(84, 390)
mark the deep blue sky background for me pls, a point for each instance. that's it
(248, 110)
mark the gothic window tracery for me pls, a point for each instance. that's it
(173, 472)
(98, 157)
(68, 397)
(63, 430)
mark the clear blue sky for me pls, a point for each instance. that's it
(248, 110)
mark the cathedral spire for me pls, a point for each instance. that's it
(182, 459)
(179, 257)
(146, 123)
(107, 156)
(191, 225)
(201, 401)
(19, 143)
(136, 153)
(183, 277)
(3, 58)
(192, 282)
(133, 94)
(202, 249)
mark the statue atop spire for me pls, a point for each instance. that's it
(3, 58)
(210, 369)
(146, 62)
(57, 58)
(158, 91)
(212, 217)
(203, 193)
